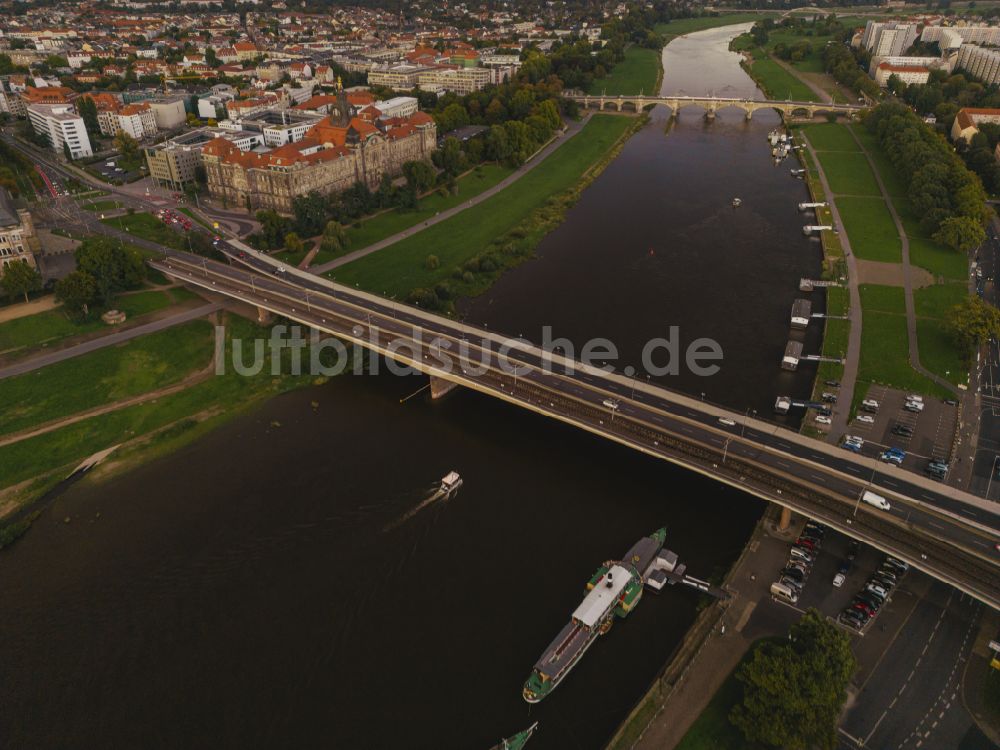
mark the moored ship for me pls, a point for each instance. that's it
(517, 741)
(614, 589)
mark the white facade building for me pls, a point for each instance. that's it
(62, 125)
(969, 34)
(398, 106)
(980, 62)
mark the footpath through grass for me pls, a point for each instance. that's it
(45, 328)
(777, 82)
(403, 267)
(104, 376)
(637, 73)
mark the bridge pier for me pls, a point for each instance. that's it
(786, 519)
(264, 317)
(710, 115)
(440, 387)
(749, 115)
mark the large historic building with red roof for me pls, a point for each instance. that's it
(353, 144)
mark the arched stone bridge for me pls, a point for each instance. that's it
(710, 104)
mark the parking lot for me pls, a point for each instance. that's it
(933, 429)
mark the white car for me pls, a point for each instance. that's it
(823, 420)
(866, 418)
(914, 406)
(854, 440)
(610, 403)
(727, 421)
(838, 580)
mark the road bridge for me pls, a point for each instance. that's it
(710, 104)
(944, 531)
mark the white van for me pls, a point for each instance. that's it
(781, 591)
(875, 500)
(727, 421)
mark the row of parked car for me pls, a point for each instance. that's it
(801, 556)
(867, 602)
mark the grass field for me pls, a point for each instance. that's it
(778, 83)
(53, 325)
(830, 137)
(837, 300)
(637, 73)
(848, 173)
(885, 356)
(681, 26)
(938, 352)
(870, 228)
(150, 228)
(104, 376)
(399, 269)
(878, 298)
(890, 178)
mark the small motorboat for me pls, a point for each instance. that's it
(450, 482)
(737, 202)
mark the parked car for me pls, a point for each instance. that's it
(869, 404)
(875, 588)
(801, 554)
(838, 580)
(830, 398)
(823, 419)
(866, 418)
(914, 406)
(832, 383)
(902, 429)
(815, 529)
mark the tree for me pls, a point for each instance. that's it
(960, 233)
(335, 237)
(77, 292)
(419, 175)
(451, 156)
(972, 322)
(127, 146)
(113, 268)
(88, 111)
(20, 278)
(293, 243)
(793, 691)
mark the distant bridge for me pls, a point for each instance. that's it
(711, 104)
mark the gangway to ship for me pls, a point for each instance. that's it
(809, 229)
(784, 403)
(830, 317)
(806, 206)
(808, 285)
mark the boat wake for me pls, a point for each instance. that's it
(437, 494)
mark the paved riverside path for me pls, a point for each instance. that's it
(571, 130)
(848, 381)
(35, 363)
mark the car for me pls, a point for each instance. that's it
(818, 541)
(902, 429)
(815, 529)
(853, 548)
(280, 270)
(897, 562)
(866, 418)
(875, 588)
(852, 620)
(793, 573)
(805, 544)
(823, 419)
(826, 411)
(854, 439)
(893, 456)
(869, 404)
(241, 255)
(801, 554)
(951, 402)
(838, 580)
(852, 447)
(830, 398)
(727, 421)
(864, 608)
(610, 403)
(884, 580)
(832, 383)
(793, 583)
(871, 601)
(914, 406)
(796, 564)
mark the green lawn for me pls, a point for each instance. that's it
(637, 73)
(837, 300)
(680, 26)
(53, 325)
(148, 227)
(103, 376)
(848, 173)
(879, 298)
(936, 301)
(830, 137)
(938, 352)
(777, 82)
(835, 337)
(191, 215)
(400, 268)
(890, 178)
(885, 356)
(870, 228)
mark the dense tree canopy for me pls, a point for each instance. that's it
(972, 323)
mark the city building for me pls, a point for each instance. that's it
(980, 62)
(335, 153)
(168, 111)
(18, 240)
(137, 120)
(174, 163)
(402, 77)
(63, 126)
(967, 120)
(398, 106)
(277, 126)
(944, 35)
(888, 39)
(908, 74)
(460, 81)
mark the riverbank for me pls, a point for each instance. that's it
(472, 249)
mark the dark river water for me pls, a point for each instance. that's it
(264, 587)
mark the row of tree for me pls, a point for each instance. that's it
(104, 269)
(948, 197)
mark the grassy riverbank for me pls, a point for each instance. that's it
(638, 73)
(143, 430)
(680, 26)
(474, 247)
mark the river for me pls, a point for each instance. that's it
(264, 587)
